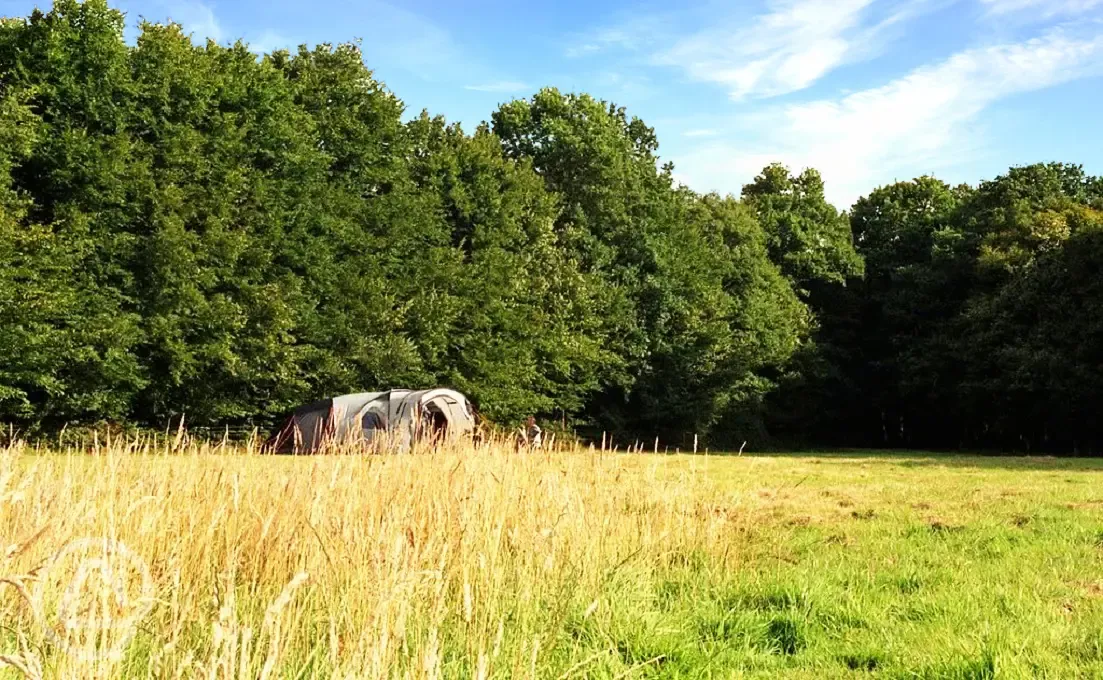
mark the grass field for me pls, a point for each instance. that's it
(473, 564)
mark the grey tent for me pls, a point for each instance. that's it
(391, 419)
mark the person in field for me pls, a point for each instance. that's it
(530, 436)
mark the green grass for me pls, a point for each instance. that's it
(881, 565)
(581, 565)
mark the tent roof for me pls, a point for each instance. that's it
(353, 403)
(320, 405)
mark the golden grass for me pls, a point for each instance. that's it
(482, 562)
(348, 565)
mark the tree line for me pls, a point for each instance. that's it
(193, 229)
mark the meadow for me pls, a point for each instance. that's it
(481, 562)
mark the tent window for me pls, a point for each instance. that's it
(371, 421)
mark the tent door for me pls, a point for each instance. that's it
(435, 423)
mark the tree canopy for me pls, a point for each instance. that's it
(195, 228)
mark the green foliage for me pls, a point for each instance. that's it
(66, 339)
(691, 307)
(188, 229)
(807, 237)
(192, 229)
(521, 337)
(1037, 350)
(811, 243)
(976, 313)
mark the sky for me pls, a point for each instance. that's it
(868, 92)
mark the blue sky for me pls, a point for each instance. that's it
(866, 91)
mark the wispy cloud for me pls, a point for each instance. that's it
(574, 51)
(701, 132)
(787, 49)
(269, 41)
(632, 34)
(622, 85)
(499, 86)
(396, 38)
(197, 18)
(917, 123)
(404, 39)
(1043, 9)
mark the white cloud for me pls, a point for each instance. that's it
(700, 132)
(913, 125)
(785, 50)
(1043, 9)
(499, 86)
(788, 47)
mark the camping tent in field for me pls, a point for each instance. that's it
(395, 418)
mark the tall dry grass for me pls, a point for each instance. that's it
(471, 561)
